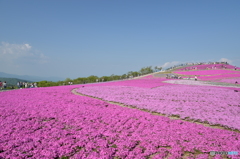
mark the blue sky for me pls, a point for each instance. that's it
(103, 37)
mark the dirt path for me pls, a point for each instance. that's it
(173, 117)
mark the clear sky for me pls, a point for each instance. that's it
(79, 38)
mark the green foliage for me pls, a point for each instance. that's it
(105, 78)
(93, 79)
(47, 84)
(68, 80)
(157, 68)
(124, 76)
(64, 157)
(146, 70)
(11, 87)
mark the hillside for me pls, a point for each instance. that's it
(30, 78)
(150, 117)
(13, 81)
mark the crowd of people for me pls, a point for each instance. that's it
(172, 76)
(26, 85)
(69, 83)
(4, 86)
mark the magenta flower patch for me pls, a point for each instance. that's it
(55, 123)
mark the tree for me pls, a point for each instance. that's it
(92, 78)
(146, 70)
(157, 68)
(104, 78)
(130, 73)
(124, 76)
(135, 73)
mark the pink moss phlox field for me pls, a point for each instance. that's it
(54, 123)
(143, 82)
(204, 103)
(209, 66)
(218, 77)
(209, 72)
(148, 76)
(230, 80)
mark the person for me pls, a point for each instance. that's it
(4, 84)
(195, 78)
(0, 84)
(35, 85)
(236, 82)
(235, 68)
(18, 84)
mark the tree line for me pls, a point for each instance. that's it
(93, 79)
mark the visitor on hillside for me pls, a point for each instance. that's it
(4, 85)
(1, 84)
(236, 82)
(235, 68)
(18, 84)
(195, 78)
(35, 85)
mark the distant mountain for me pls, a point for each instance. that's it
(30, 78)
(13, 81)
